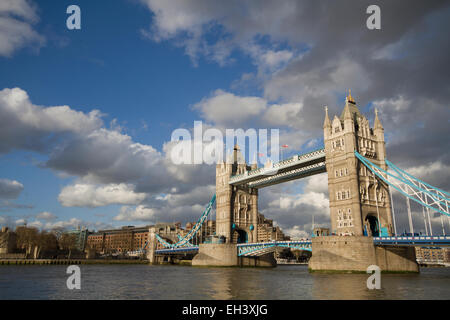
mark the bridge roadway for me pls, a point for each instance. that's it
(295, 167)
(261, 248)
(416, 241)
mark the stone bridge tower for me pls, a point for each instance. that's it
(236, 206)
(358, 200)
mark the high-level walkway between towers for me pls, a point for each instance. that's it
(297, 166)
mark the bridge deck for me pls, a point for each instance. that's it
(413, 241)
(298, 166)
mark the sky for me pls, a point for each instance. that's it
(86, 116)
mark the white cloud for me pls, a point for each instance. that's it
(36, 224)
(45, 215)
(20, 222)
(435, 171)
(139, 213)
(182, 206)
(10, 189)
(16, 31)
(317, 183)
(227, 109)
(314, 199)
(69, 224)
(16, 103)
(296, 232)
(274, 59)
(287, 114)
(87, 195)
(25, 125)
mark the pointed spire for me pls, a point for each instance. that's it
(347, 114)
(326, 123)
(349, 97)
(377, 124)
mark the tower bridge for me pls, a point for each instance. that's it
(360, 184)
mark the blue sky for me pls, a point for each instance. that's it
(148, 87)
(151, 66)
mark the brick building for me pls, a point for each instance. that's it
(128, 238)
(267, 232)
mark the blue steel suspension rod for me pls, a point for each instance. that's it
(411, 185)
(393, 166)
(401, 177)
(194, 230)
(371, 165)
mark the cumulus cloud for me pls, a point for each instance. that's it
(69, 224)
(24, 125)
(109, 166)
(397, 68)
(140, 213)
(85, 195)
(10, 189)
(184, 207)
(307, 55)
(296, 232)
(227, 110)
(317, 184)
(45, 215)
(17, 18)
(20, 222)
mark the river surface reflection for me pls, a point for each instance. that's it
(177, 282)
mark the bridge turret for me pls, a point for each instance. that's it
(237, 206)
(358, 203)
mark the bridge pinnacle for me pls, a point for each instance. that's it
(326, 123)
(349, 97)
(377, 122)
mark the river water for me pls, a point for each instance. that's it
(181, 282)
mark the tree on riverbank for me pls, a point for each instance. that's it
(67, 242)
(30, 238)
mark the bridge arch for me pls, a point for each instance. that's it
(240, 236)
(372, 226)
